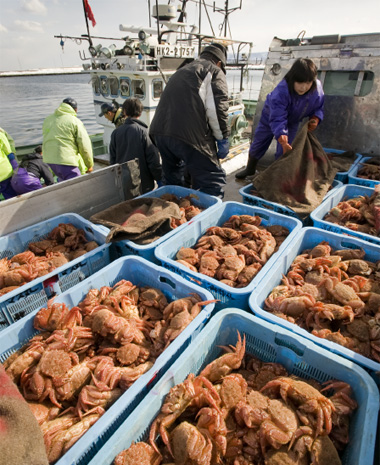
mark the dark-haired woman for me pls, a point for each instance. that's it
(299, 95)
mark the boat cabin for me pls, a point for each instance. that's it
(142, 63)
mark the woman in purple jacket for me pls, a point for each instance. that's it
(299, 95)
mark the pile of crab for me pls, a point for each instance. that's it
(358, 214)
(87, 356)
(242, 411)
(63, 244)
(370, 169)
(186, 207)
(334, 294)
(235, 252)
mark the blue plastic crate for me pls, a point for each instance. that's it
(353, 175)
(307, 238)
(343, 175)
(227, 295)
(141, 273)
(271, 344)
(35, 294)
(200, 199)
(250, 199)
(348, 191)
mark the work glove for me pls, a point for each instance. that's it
(313, 123)
(283, 141)
(90, 170)
(12, 160)
(223, 148)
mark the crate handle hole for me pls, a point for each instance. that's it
(283, 342)
(348, 245)
(167, 281)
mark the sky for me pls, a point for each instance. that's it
(27, 27)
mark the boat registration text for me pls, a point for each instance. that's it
(180, 51)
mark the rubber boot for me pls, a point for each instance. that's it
(249, 170)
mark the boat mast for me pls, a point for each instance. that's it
(226, 12)
(86, 19)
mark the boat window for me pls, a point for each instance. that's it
(103, 85)
(347, 83)
(113, 83)
(138, 88)
(95, 84)
(158, 86)
(125, 87)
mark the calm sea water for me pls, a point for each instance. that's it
(25, 101)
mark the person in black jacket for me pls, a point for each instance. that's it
(27, 177)
(190, 126)
(131, 140)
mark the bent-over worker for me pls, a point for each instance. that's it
(299, 95)
(190, 126)
(27, 177)
(113, 113)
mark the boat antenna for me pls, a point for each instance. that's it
(158, 21)
(149, 14)
(86, 19)
(183, 12)
(226, 11)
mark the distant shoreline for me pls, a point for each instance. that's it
(80, 70)
(43, 72)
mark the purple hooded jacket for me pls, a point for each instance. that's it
(282, 113)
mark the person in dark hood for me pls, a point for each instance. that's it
(190, 126)
(27, 177)
(131, 140)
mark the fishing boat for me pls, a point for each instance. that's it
(140, 63)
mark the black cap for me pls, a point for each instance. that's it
(218, 51)
(107, 107)
(70, 101)
(38, 149)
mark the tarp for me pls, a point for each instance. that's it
(141, 220)
(301, 178)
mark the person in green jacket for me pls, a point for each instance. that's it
(66, 145)
(10, 140)
(7, 164)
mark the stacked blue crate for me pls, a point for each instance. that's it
(35, 294)
(353, 175)
(141, 273)
(348, 191)
(199, 199)
(307, 238)
(340, 178)
(188, 237)
(270, 344)
(343, 175)
(250, 199)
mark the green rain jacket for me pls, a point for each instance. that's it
(65, 139)
(6, 169)
(10, 140)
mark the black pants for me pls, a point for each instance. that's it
(206, 174)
